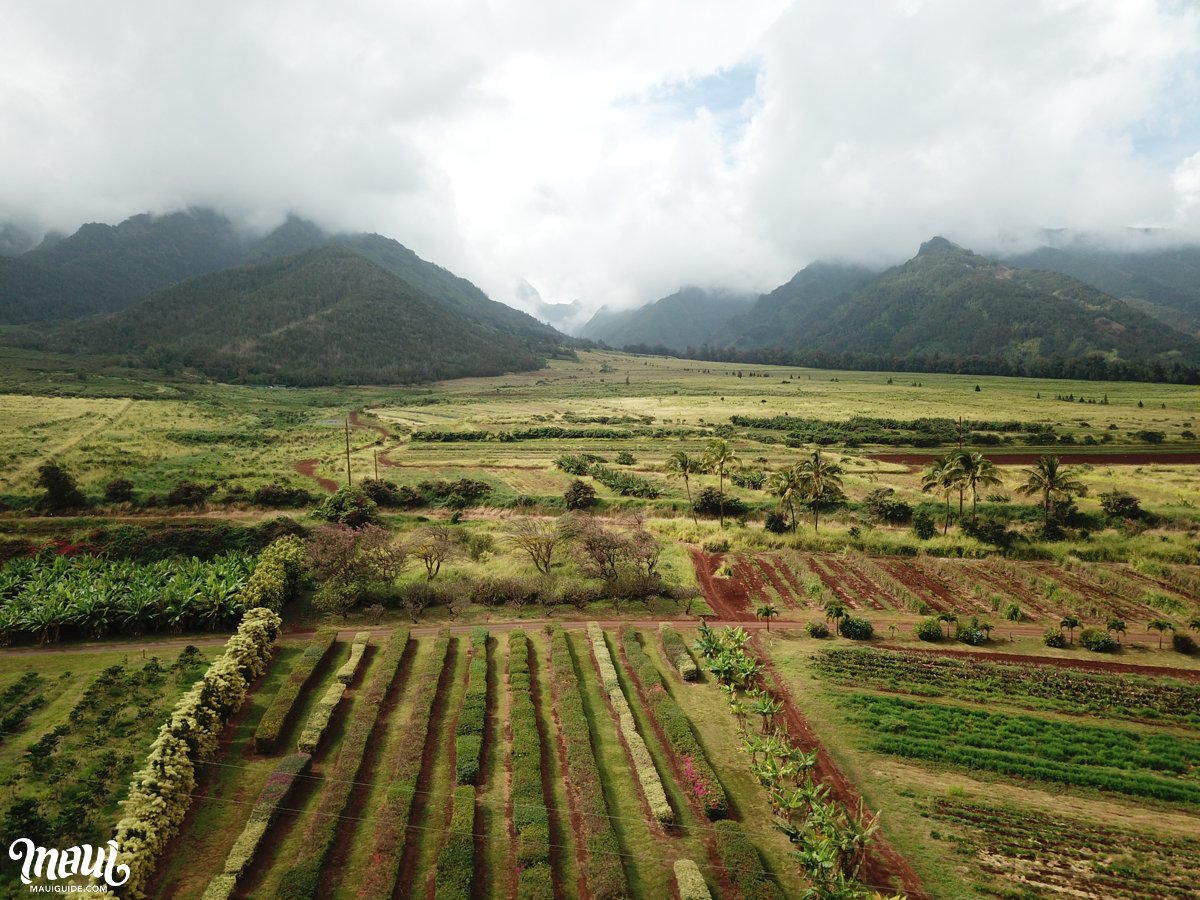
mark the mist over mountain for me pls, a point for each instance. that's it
(688, 318)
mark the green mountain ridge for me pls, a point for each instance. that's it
(326, 315)
(687, 318)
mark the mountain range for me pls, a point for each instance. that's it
(188, 291)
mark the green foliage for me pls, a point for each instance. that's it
(276, 575)
(579, 495)
(1120, 505)
(817, 629)
(929, 630)
(689, 882)
(923, 524)
(1098, 640)
(708, 504)
(742, 864)
(857, 629)
(1054, 638)
(456, 864)
(318, 719)
(350, 505)
(468, 734)
(62, 492)
(275, 719)
(530, 817)
(676, 651)
(1109, 759)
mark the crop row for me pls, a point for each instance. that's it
(605, 880)
(698, 776)
(530, 816)
(1084, 858)
(1115, 760)
(676, 651)
(391, 832)
(302, 880)
(468, 733)
(275, 719)
(18, 701)
(1042, 686)
(643, 764)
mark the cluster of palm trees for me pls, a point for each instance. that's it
(807, 482)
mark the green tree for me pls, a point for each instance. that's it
(785, 484)
(835, 612)
(948, 619)
(718, 458)
(62, 492)
(1116, 626)
(1052, 481)
(977, 471)
(818, 479)
(767, 611)
(942, 477)
(1070, 623)
(680, 465)
(1161, 626)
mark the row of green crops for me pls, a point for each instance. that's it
(47, 599)
(605, 879)
(1041, 686)
(303, 880)
(1084, 857)
(278, 714)
(530, 816)
(1109, 759)
(624, 483)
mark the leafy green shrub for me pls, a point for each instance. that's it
(625, 458)
(280, 496)
(857, 629)
(1098, 640)
(350, 505)
(1054, 638)
(318, 719)
(923, 525)
(1183, 643)
(929, 630)
(817, 629)
(677, 652)
(689, 882)
(468, 734)
(456, 864)
(346, 673)
(1013, 613)
(708, 504)
(275, 719)
(743, 865)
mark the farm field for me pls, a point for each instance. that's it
(1018, 789)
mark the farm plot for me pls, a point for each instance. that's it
(511, 764)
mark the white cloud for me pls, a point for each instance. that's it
(598, 149)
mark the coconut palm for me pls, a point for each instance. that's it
(1116, 625)
(943, 477)
(948, 619)
(786, 485)
(1053, 481)
(680, 465)
(767, 611)
(1161, 626)
(977, 471)
(818, 477)
(719, 457)
(1070, 623)
(835, 612)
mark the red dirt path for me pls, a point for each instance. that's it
(883, 864)
(1109, 668)
(308, 468)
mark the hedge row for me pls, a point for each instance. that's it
(677, 653)
(274, 792)
(276, 574)
(302, 881)
(530, 817)
(689, 881)
(318, 719)
(605, 878)
(456, 864)
(275, 719)
(698, 775)
(161, 791)
(359, 646)
(652, 787)
(468, 734)
(743, 865)
(391, 831)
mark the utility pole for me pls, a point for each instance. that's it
(375, 453)
(348, 481)
(960, 433)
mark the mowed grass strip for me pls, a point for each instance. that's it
(303, 880)
(600, 854)
(493, 817)
(390, 834)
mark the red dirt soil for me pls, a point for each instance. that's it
(726, 596)
(932, 592)
(766, 565)
(823, 570)
(747, 573)
(883, 864)
(1107, 668)
(308, 468)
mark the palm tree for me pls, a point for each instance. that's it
(1052, 482)
(785, 484)
(817, 477)
(977, 470)
(1116, 625)
(1194, 623)
(943, 477)
(949, 619)
(1070, 623)
(1161, 626)
(719, 456)
(680, 465)
(835, 612)
(767, 611)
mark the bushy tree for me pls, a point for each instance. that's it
(348, 506)
(348, 564)
(119, 490)
(62, 492)
(1120, 505)
(579, 495)
(537, 539)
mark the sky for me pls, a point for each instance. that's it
(611, 152)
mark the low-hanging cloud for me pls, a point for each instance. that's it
(585, 149)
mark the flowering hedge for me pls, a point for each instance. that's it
(276, 574)
(161, 791)
(275, 719)
(689, 881)
(643, 764)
